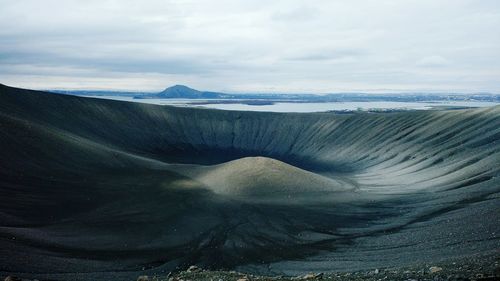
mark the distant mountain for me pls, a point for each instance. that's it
(184, 92)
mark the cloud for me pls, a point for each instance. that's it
(294, 45)
(325, 55)
(297, 14)
(432, 61)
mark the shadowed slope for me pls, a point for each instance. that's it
(100, 189)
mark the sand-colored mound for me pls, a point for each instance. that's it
(263, 178)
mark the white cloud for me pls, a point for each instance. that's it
(230, 45)
(432, 61)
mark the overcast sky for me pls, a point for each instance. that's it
(252, 46)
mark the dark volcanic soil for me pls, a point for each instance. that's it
(478, 268)
(474, 268)
(106, 190)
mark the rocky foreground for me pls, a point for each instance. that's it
(483, 268)
(478, 268)
(473, 270)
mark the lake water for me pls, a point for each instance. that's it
(307, 107)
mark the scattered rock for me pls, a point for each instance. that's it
(143, 278)
(434, 269)
(312, 276)
(242, 277)
(193, 268)
(376, 271)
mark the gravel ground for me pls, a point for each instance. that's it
(480, 268)
(472, 268)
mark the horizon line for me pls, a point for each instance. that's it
(305, 92)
